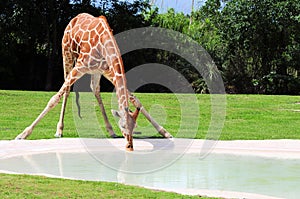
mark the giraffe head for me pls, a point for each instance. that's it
(130, 117)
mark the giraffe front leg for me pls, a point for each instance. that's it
(136, 102)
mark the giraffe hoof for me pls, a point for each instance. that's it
(24, 134)
(113, 136)
(165, 133)
(19, 138)
(58, 135)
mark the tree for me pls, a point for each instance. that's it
(259, 36)
(203, 29)
(31, 32)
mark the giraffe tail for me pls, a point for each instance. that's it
(78, 104)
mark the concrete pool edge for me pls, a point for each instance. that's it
(282, 149)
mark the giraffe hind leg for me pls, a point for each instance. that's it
(60, 124)
(68, 62)
(95, 86)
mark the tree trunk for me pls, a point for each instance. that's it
(52, 40)
(191, 17)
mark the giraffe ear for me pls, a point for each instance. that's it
(115, 113)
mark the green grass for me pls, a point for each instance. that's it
(24, 186)
(247, 116)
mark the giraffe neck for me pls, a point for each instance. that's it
(116, 72)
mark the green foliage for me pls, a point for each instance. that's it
(125, 16)
(246, 39)
(261, 37)
(274, 83)
(201, 30)
(171, 20)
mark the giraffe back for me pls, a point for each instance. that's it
(90, 40)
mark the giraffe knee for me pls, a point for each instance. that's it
(53, 101)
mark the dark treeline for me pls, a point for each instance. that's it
(31, 33)
(255, 44)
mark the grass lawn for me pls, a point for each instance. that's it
(24, 186)
(247, 117)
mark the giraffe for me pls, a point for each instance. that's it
(89, 47)
(89, 43)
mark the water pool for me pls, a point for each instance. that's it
(223, 172)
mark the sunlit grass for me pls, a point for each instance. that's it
(247, 116)
(24, 186)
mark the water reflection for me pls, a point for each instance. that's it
(274, 177)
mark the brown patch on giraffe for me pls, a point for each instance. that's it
(94, 38)
(78, 34)
(105, 37)
(105, 21)
(81, 18)
(85, 24)
(99, 29)
(93, 63)
(74, 73)
(75, 32)
(102, 39)
(94, 24)
(85, 36)
(116, 64)
(66, 39)
(95, 53)
(73, 46)
(85, 59)
(86, 47)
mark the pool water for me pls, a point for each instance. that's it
(266, 176)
